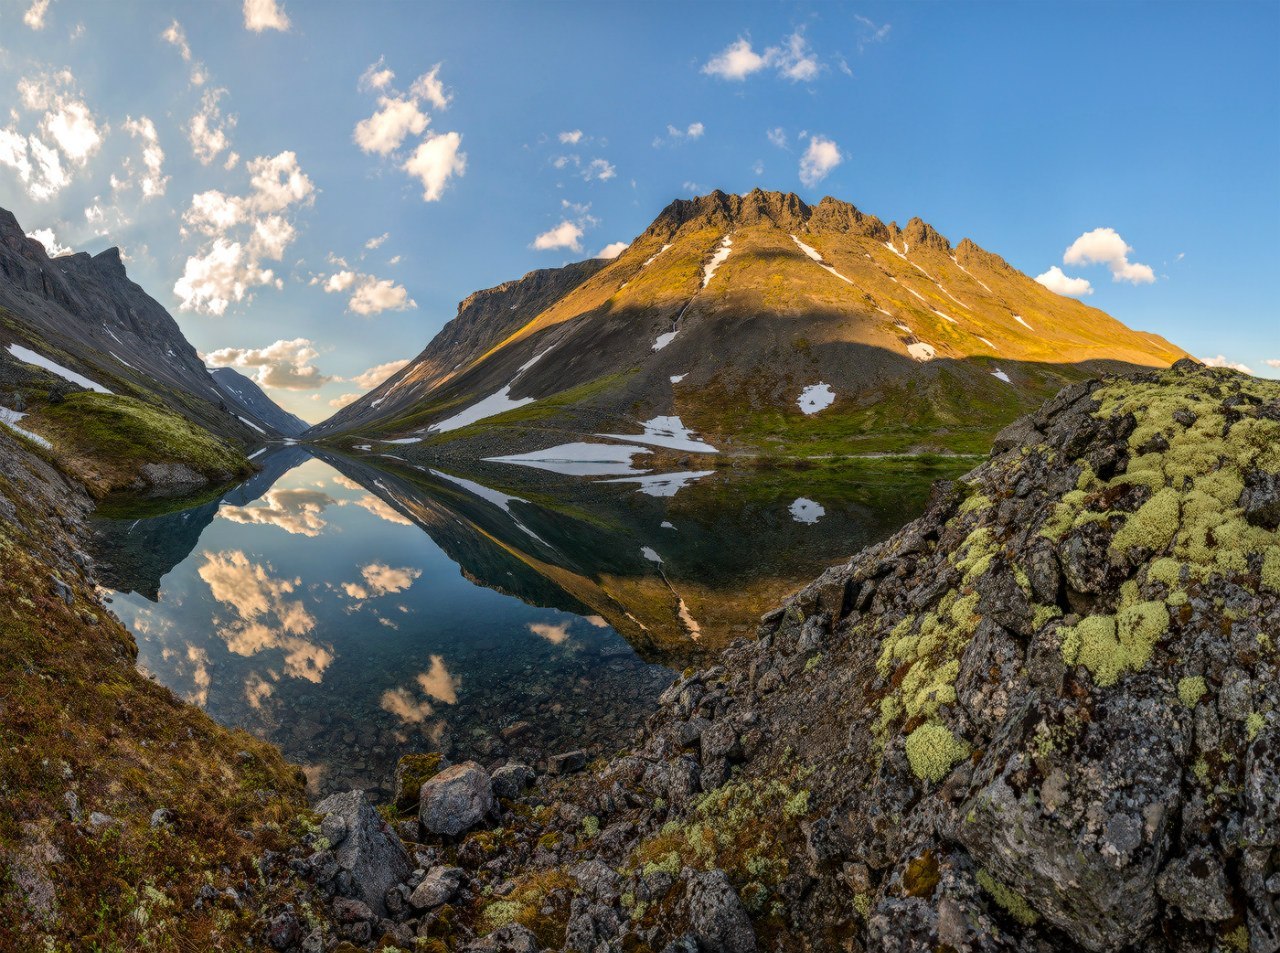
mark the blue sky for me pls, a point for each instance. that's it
(1032, 128)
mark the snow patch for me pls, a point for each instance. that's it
(664, 339)
(922, 352)
(817, 256)
(942, 315)
(1001, 375)
(250, 423)
(677, 378)
(579, 459)
(648, 553)
(664, 484)
(258, 453)
(988, 344)
(718, 259)
(10, 419)
(403, 440)
(363, 446)
(501, 500)
(816, 397)
(666, 525)
(492, 405)
(669, 432)
(971, 275)
(652, 258)
(122, 360)
(1018, 318)
(39, 360)
(805, 510)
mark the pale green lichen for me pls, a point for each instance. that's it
(1191, 689)
(1254, 724)
(974, 504)
(1008, 899)
(933, 750)
(1109, 646)
(1043, 615)
(1153, 526)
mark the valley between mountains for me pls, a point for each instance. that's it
(872, 597)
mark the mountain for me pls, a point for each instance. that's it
(83, 313)
(251, 401)
(763, 324)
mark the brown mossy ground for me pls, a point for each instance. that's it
(83, 732)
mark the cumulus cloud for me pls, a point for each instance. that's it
(262, 15)
(676, 135)
(565, 235)
(284, 364)
(600, 170)
(377, 241)
(175, 35)
(572, 137)
(66, 130)
(818, 160)
(436, 160)
(151, 180)
(52, 247)
(208, 129)
(384, 131)
(245, 230)
(1104, 246)
(792, 59)
(555, 634)
(369, 294)
(337, 403)
(612, 250)
(377, 374)
(777, 136)
(1059, 283)
(297, 511)
(1273, 362)
(428, 86)
(1221, 361)
(34, 17)
(377, 76)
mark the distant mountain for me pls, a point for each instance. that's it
(765, 325)
(83, 313)
(249, 398)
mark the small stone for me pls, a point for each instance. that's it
(510, 780)
(98, 821)
(716, 914)
(516, 730)
(350, 910)
(162, 817)
(62, 590)
(437, 888)
(567, 763)
(284, 930)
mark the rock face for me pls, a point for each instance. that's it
(252, 401)
(366, 847)
(456, 799)
(1046, 715)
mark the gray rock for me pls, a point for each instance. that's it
(510, 780)
(162, 817)
(456, 799)
(717, 917)
(1197, 885)
(333, 828)
(513, 938)
(438, 887)
(371, 853)
(62, 590)
(592, 927)
(1261, 499)
(99, 821)
(567, 763)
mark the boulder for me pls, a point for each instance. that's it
(513, 938)
(370, 853)
(510, 780)
(438, 887)
(717, 917)
(456, 799)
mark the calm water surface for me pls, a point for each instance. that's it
(354, 610)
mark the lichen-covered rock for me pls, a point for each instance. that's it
(1044, 716)
(370, 852)
(456, 799)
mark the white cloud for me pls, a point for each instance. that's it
(571, 138)
(737, 61)
(339, 281)
(695, 130)
(1273, 362)
(555, 634)
(53, 248)
(262, 15)
(1221, 361)
(429, 87)
(565, 235)
(612, 250)
(435, 161)
(377, 241)
(374, 295)
(34, 17)
(343, 399)
(377, 374)
(377, 76)
(792, 60)
(219, 275)
(227, 270)
(778, 136)
(285, 365)
(66, 120)
(1056, 281)
(208, 129)
(175, 35)
(152, 181)
(676, 135)
(39, 166)
(384, 131)
(1104, 246)
(71, 125)
(600, 170)
(818, 160)
(870, 32)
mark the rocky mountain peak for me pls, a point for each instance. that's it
(919, 232)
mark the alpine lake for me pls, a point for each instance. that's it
(355, 609)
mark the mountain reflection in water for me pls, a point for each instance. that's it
(320, 605)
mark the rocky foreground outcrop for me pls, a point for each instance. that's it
(1041, 717)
